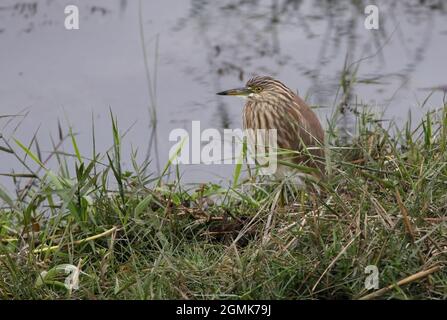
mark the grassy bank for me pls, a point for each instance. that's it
(133, 236)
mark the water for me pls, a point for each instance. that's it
(195, 49)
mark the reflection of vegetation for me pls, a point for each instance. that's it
(261, 23)
(306, 38)
(273, 36)
(24, 9)
(30, 15)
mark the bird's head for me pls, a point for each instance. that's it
(258, 88)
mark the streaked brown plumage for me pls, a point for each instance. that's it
(272, 105)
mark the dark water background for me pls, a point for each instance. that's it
(196, 48)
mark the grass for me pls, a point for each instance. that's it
(120, 234)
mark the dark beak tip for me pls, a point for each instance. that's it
(223, 93)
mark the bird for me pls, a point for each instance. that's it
(272, 105)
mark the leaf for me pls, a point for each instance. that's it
(68, 272)
(5, 197)
(75, 146)
(301, 168)
(30, 153)
(143, 205)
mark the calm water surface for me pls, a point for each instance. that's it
(195, 49)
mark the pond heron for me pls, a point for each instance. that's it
(300, 137)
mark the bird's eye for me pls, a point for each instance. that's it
(257, 89)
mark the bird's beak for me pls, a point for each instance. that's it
(236, 92)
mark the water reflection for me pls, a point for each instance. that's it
(313, 40)
(316, 47)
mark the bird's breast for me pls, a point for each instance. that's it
(260, 115)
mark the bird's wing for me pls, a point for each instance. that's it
(301, 129)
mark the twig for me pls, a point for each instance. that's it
(105, 233)
(407, 280)
(404, 213)
(408, 225)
